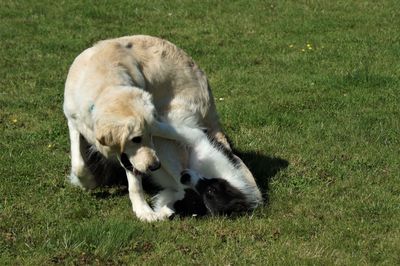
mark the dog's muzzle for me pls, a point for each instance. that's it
(128, 165)
(155, 166)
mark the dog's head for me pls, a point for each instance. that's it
(122, 126)
(218, 195)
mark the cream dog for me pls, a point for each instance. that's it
(115, 92)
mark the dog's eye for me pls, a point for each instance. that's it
(136, 139)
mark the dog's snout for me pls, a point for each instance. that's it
(155, 166)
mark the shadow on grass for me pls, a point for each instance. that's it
(263, 168)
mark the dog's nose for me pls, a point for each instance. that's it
(185, 178)
(155, 166)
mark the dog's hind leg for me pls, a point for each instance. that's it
(80, 173)
(214, 129)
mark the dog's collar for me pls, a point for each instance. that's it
(91, 108)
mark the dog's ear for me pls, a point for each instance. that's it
(112, 134)
(108, 135)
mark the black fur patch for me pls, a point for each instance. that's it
(126, 163)
(191, 204)
(220, 197)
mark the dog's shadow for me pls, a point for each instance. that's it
(263, 168)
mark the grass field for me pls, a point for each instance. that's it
(307, 90)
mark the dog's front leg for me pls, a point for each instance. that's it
(80, 173)
(139, 204)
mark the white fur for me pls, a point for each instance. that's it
(206, 160)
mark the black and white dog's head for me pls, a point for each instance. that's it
(218, 195)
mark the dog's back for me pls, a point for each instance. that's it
(179, 87)
(180, 90)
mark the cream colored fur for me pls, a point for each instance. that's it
(116, 90)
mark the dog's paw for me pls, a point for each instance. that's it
(165, 213)
(189, 178)
(82, 178)
(74, 180)
(186, 176)
(148, 216)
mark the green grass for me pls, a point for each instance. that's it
(318, 125)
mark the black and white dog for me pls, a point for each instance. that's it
(222, 180)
